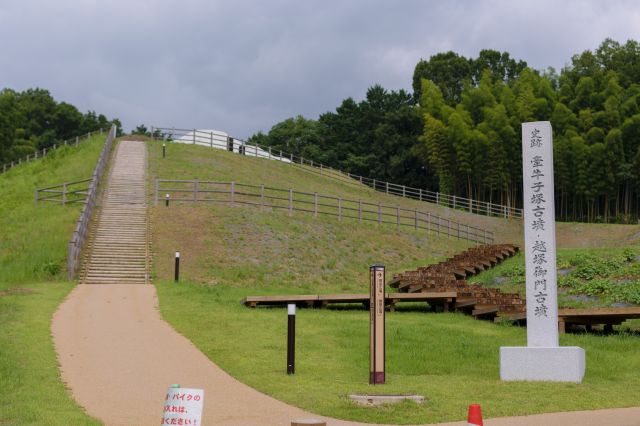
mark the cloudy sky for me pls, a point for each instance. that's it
(241, 66)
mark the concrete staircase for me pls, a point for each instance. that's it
(118, 249)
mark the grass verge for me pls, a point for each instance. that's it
(32, 256)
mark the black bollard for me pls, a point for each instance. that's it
(166, 200)
(164, 150)
(291, 338)
(177, 269)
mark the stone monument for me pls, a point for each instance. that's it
(543, 359)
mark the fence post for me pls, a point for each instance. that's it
(420, 192)
(339, 208)
(290, 201)
(360, 179)
(280, 155)
(156, 197)
(504, 208)
(64, 193)
(387, 187)
(428, 221)
(233, 193)
(458, 230)
(320, 169)
(315, 204)
(291, 158)
(404, 191)
(256, 149)
(196, 187)
(211, 139)
(374, 184)
(397, 217)
(448, 228)
(360, 211)
(262, 197)
(194, 136)
(379, 213)
(454, 201)
(76, 141)
(438, 198)
(37, 196)
(415, 224)
(269, 153)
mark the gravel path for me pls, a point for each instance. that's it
(118, 357)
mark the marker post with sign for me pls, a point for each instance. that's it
(376, 326)
(543, 358)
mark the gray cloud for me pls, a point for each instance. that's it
(241, 66)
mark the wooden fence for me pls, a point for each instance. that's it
(221, 140)
(82, 226)
(65, 193)
(43, 152)
(196, 191)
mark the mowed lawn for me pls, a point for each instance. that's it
(33, 282)
(451, 359)
(229, 252)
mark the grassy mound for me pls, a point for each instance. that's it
(32, 261)
(230, 252)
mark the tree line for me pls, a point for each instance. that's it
(32, 120)
(459, 132)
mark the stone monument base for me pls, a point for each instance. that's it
(559, 364)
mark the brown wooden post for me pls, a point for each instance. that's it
(315, 204)
(233, 193)
(360, 211)
(376, 326)
(415, 223)
(196, 185)
(397, 217)
(156, 197)
(290, 201)
(379, 213)
(339, 208)
(262, 197)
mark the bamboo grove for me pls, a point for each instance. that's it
(459, 132)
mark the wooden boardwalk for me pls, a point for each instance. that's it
(443, 299)
(118, 250)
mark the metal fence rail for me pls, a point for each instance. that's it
(196, 191)
(214, 139)
(65, 193)
(43, 152)
(82, 226)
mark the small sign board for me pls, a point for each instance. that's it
(183, 406)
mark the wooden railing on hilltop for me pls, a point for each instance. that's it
(44, 151)
(223, 141)
(196, 191)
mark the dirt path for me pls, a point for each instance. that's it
(118, 357)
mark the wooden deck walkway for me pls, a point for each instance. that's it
(607, 317)
(439, 299)
(449, 301)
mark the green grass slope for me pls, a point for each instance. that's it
(33, 247)
(186, 161)
(230, 252)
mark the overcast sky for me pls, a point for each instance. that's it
(242, 66)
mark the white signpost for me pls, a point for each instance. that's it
(543, 358)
